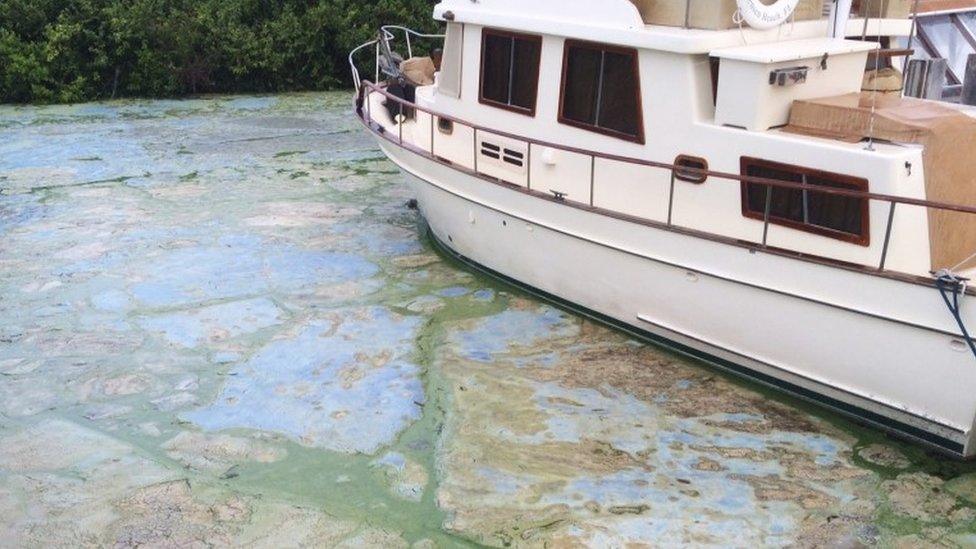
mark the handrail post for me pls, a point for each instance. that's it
(377, 62)
(887, 239)
(432, 123)
(409, 46)
(671, 201)
(475, 149)
(592, 177)
(369, 110)
(528, 166)
(769, 204)
(400, 122)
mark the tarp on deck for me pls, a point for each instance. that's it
(949, 140)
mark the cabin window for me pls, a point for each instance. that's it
(510, 70)
(836, 216)
(601, 90)
(449, 80)
(714, 65)
(691, 169)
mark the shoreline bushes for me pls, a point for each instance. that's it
(59, 51)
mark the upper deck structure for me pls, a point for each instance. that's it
(621, 22)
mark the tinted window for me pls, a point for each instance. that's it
(510, 70)
(843, 217)
(619, 110)
(840, 213)
(601, 90)
(581, 87)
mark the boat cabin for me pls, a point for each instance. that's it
(625, 108)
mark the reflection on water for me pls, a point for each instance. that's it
(219, 324)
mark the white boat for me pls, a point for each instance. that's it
(728, 192)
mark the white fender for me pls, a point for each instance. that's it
(760, 16)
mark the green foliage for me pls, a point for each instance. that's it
(76, 50)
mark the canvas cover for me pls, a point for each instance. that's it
(947, 135)
(884, 9)
(886, 80)
(419, 70)
(933, 6)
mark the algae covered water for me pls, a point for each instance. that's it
(220, 325)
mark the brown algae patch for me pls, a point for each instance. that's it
(565, 431)
(220, 452)
(885, 456)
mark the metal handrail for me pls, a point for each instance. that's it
(356, 79)
(369, 87)
(664, 165)
(389, 34)
(408, 32)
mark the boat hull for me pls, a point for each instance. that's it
(861, 353)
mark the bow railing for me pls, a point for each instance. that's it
(389, 34)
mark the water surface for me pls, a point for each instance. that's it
(220, 324)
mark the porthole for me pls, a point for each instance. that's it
(445, 126)
(691, 169)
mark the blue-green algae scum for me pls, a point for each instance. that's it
(221, 326)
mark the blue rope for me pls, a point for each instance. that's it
(947, 282)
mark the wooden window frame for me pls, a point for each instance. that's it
(857, 183)
(697, 178)
(485, 32)
(635, 57)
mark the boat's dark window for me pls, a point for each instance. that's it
(581, 87)
(714, 64)
(601, 90)
(691, 169)
(445, 125)
(836, 216)
(510, 70)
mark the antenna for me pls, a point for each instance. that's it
(877, 70)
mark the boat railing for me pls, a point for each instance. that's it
(405, 107)
(389, 34)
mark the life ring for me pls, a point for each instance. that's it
(762, 17)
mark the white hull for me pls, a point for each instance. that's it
(880, 349)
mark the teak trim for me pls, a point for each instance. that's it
(596, 46)
(485, 33)
(690, 174)
(857, 183)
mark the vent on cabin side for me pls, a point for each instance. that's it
(504, 159)
(503, 154)
(490, 150)
(514, 158)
